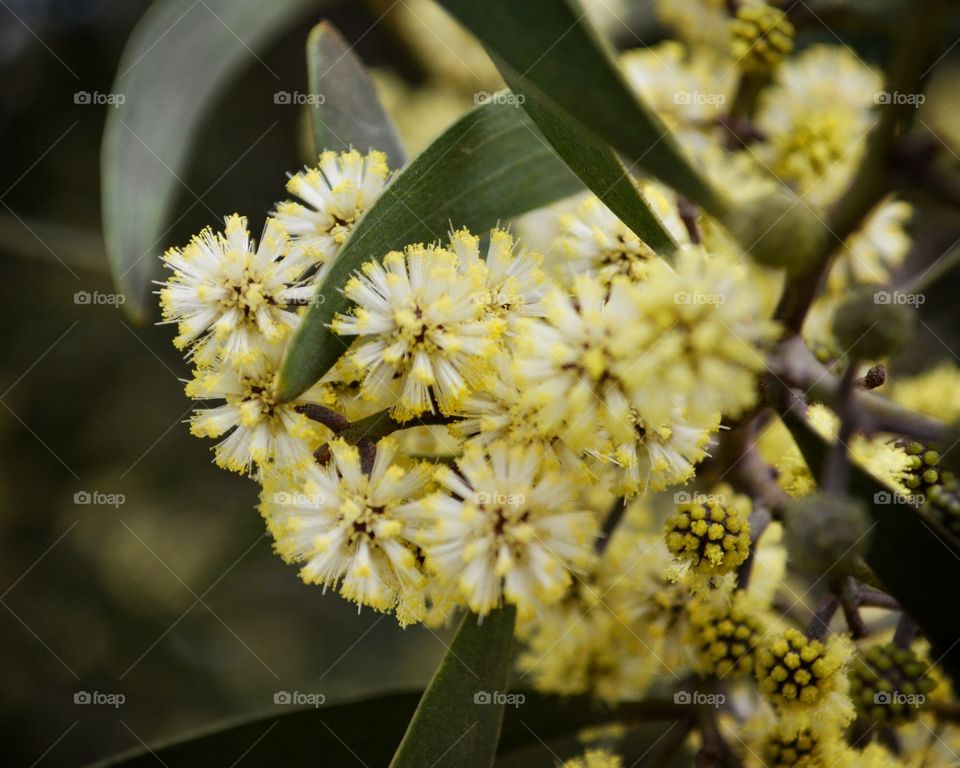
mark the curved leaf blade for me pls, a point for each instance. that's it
(148, 138)
(349, 114)
(909, 550)
(490, 165)
(452, 727)
(597, 166)
(340, 732)
(296, 736)
(553, 51)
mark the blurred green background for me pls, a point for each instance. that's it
(171, 598)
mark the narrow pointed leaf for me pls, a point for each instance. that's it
(457, 723)
(489, 166)
(550, 46)
(344, 108)
(597, 166)
(180, 56)
(343, 733)
(911, 553)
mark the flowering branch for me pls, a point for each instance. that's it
(873, 181)
(796, 366)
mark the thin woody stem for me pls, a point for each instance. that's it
(794, 365)
(837, 470)
(820, 623)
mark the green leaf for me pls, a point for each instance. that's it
(367, 731)
(180, 56)
(552, 52)
(490, 165)
(597, 166)
(349, 114)
(912, 553)
(457, 724)
(295, 736)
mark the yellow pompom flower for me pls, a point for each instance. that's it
(350, 529)
(701, 22)
(725, 635)
(762, 36)
(796, 750)
(816, 117)
(709, 535)
(661, 618)
(595, 758)
(230, 297)
(659, 457)
(701, 335)
(569, 366)
(890, 685)
(595, 241)
(504, 529)
(592, 642)
(773, 743)
(879, 245)
(935, 392)
(262, 431)
(496, 412)
(879, 455)
(690, 88)
(422, 319)
(512, 277)
(334, 194)
(879, 756)
(806, 679)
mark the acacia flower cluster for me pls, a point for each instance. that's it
(536, 416)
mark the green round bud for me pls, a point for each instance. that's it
(889, 685)
(825, 531)
(761, 37)
(868, 327)
(779, 230)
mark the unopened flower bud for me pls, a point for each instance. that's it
(825, 530)
(868, 329)
(778, 230)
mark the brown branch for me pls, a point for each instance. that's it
(820, 624)
(850, 600)
(795, 366)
